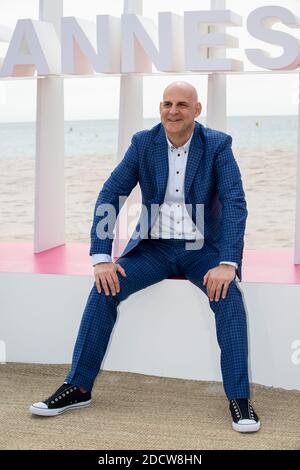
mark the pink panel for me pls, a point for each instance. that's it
(70, 259)
(268, 266)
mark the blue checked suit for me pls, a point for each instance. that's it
(213, 179)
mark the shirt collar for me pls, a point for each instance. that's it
(184, 147)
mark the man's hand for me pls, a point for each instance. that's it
(106, 277)
(217, 278)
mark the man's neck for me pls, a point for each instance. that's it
(179, 141)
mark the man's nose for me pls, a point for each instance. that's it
(173, 109)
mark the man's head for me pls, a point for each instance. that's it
(179, 109)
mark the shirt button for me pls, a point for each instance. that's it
(177, 172)
(178, 154)
(177, 190)
(178, 205)
(178, 221)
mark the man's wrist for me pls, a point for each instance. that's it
(230, 263)
(100, 258)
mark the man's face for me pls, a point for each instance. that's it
(178, 111)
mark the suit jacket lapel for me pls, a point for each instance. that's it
(161, 163)
(193, 159)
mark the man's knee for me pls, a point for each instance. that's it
(100, 299)
(118, 296)
(233, 295)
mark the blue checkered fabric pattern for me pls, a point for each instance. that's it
(149, 262)
(212, 178)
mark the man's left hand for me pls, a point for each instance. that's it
(217, 279)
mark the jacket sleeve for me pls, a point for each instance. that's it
(111, 198)
(232, 198)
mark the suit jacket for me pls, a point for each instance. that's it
(212, 178)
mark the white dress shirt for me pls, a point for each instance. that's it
(173, 219)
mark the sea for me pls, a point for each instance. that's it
(270, 134)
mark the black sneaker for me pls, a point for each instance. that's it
(244, 418)
(67, 397)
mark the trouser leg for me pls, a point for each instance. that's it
(230, 319)
(144, 267)
(231, 327)
(97, 323)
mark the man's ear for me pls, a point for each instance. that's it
(160, 106)
(198, 109)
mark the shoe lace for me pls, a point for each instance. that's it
(238, 410)
(60, 393)
(251, 411)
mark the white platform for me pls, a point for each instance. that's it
(165, 330)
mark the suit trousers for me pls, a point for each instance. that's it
(151, 261)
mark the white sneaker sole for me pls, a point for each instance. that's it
(246, 427)
(57, 411)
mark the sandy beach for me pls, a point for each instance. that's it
(269, 183)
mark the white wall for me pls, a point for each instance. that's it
(166, 330)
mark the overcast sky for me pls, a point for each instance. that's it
(97, 98)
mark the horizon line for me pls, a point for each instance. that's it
(151, 117)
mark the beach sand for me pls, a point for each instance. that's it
(269, 183)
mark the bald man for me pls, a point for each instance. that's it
(192, 224)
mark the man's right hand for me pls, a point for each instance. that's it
(106, 277)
